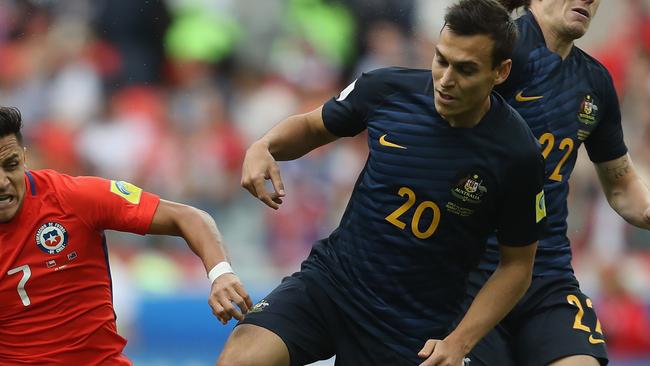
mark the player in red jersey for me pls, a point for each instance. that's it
(55, 283)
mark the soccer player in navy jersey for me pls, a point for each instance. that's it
(56, 303)
(450, 162)
(567, 98)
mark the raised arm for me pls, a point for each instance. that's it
(495, 299)
(288, 140)
(626, 193)
(202, 236)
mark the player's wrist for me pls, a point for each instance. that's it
(461, 342)
(220, 269)
(261, 144)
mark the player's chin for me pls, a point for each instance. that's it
(445, 109)
(577, 30)
(7, 214)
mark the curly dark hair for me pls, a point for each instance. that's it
(11, 122)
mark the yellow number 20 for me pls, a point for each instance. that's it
(393, 218)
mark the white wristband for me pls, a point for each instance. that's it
(218, 270)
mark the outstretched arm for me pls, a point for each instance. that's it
(288, 140)
(495, 299)
(202, 236)
(625, 191)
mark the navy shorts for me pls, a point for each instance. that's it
(553, 320)
(314, 328)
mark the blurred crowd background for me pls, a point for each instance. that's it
(169, 94)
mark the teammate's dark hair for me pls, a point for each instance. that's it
(514, 4)
(11, 123)
(488, 17)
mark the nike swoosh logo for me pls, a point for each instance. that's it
(593, 340)
(383, 142)
(521, 98)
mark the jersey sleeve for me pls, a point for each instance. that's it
(606, 142)
(347, 114)
(108, 204)
(523, 210)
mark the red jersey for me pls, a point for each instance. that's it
(55, 284)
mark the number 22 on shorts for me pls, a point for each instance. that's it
(577, 323)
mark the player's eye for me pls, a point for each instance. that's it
(467, 70)
(11, 165)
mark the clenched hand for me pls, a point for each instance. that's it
(226, 290)
(440, 353)
(259, 165)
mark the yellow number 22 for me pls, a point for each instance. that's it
(548, 141)
(577, 322)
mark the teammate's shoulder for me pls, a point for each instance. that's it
(590, 63)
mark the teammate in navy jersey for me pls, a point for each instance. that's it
(567, 98)
(450, 162)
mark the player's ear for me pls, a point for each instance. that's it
(25, 156)
(502, 71)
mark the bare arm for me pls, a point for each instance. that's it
(297, 135)
(202, 236)
(288, 140)
(495, 299)
(195, 226)
(625, 191)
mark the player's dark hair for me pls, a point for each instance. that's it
(488, 17)
(10, 123)
(514, 4)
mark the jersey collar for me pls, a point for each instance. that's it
(32, 183)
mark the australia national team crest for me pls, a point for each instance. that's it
(470, 188)
(52, 238)
(588, 116)
(469, 191)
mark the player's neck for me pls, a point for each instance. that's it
(555, 41)
(558, 45)
(471, 118)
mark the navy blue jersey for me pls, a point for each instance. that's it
(423, 206)
(565, 103)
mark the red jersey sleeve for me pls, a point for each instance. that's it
(108, 204)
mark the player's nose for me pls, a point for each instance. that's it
(447, 79)
(5, 183)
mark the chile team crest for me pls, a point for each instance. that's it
(52, 238)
